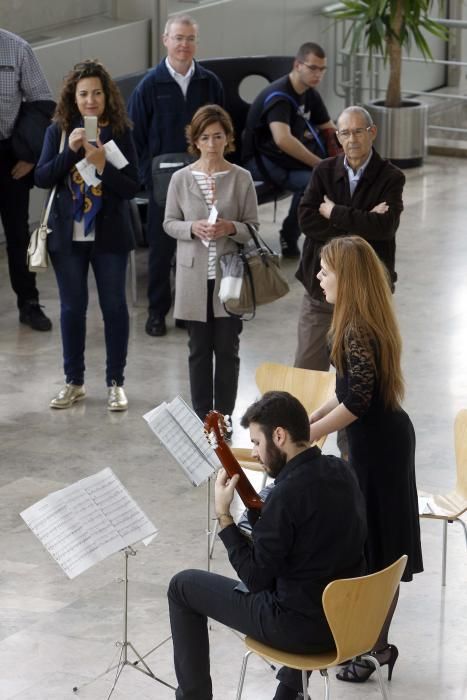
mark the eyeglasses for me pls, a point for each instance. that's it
(347, 133)
(313, 68)
(180, 39)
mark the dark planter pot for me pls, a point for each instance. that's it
(401, 133)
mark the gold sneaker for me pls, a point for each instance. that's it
(67, 396)
(117, 400)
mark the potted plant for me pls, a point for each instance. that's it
(387, 27)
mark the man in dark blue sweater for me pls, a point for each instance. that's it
(161, 106)
(311, 531)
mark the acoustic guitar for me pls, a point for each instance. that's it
(215, 428)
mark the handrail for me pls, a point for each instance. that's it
(351, 81)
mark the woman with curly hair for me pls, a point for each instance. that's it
(211, 181)
(366, 348)
(90, 224)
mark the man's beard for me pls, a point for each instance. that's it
(275, 459)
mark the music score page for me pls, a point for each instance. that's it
(181, 432)
(84, 523)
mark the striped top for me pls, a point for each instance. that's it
(207, 185)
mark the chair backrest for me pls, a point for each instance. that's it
(356, 608)
(460, 442)
(232, 71)
(127, 83)
(311, 387)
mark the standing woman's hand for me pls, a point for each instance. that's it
(201, 229)
(76, 139)
(221, 228)
(95, 154)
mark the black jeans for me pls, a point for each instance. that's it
(14, 211)
(214, 363)
(161, 253)
(196, 595)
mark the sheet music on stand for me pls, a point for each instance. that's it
(84, 523)
(181, 432)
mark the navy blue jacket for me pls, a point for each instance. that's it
(113, 229)
(160, 112)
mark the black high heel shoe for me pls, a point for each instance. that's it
(359, 671)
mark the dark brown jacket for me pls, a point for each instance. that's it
(380, 182)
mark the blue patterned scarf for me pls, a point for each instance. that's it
(87, 199)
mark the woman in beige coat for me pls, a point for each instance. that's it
(209, 204)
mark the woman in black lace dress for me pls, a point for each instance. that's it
(365, 350)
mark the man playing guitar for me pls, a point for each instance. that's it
(311, 531)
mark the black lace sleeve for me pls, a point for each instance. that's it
(361, 377)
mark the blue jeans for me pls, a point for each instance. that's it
(71, 271)
(293, 180)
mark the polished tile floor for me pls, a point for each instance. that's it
(56, 634)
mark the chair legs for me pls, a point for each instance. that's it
(306, 696)
(443, 558)
(445, 545)
(327, 690)
(242, 675)
(379, 675)
(465, 530)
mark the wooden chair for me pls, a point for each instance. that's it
(449, 507)
(311, 387)
(355, 609)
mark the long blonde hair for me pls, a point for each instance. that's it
(364, 310)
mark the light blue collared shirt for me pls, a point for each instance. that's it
(182, 80)
(354, 178)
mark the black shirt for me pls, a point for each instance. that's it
(257, 133)
(311, 531)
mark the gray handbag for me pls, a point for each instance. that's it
(263, 281)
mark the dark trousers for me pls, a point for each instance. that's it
(161, 253)
(196, 595)
(71, 271)
(14, 211)
(293, 180)
(214, 363)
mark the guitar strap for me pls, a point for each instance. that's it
(309, 125)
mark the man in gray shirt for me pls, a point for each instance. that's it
(26, 106)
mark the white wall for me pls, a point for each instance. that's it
(25, 16)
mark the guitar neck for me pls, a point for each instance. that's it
(244, 487)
